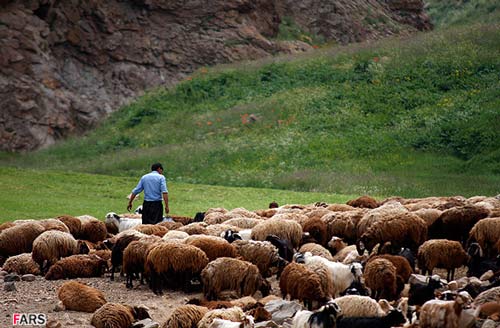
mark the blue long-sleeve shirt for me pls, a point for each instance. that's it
(154, 185)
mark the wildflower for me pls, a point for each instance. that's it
(209, 123)
(376, 59)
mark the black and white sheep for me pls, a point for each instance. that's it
(324, 317)
(394, 318)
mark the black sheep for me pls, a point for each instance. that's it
(393, 319)
(421, 293)
(285, 248)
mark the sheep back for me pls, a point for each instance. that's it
(359, 306)
(284, 229)
(441, 253)
(316, 249)
(214, 247)
(301, 283)
(52, 245)
(112, 315)
(261, 253)
(380, 277)
(403, 267)
(74, 224)
(79, 297)
(485, 232)
(93, 230)
(152, 229)
(19, 238)
(21, 264)
(185, 316)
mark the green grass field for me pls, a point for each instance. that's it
(413, 117)
(37, 194)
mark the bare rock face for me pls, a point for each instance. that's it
(65, 65)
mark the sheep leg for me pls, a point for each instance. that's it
(112, 278)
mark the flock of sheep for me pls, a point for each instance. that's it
(350, 265)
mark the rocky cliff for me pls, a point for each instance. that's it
(65, 65)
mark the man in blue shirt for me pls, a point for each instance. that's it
(154, 185)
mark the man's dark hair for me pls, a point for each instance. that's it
(156, 166)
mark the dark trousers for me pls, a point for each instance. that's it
(152, 212)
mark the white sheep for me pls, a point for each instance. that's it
(116, 223)
(342, 275)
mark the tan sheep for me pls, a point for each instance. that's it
(486, 233)
(185, 316)
(284, 229)
(214, 247)
(340, 208)
(76, 296)
(234, 314)
(170, 225)
(385, 212)
(232, 274)
(441, 253)
(174, 234)
(261, 253)
(21, 264)
(243, 223)
(196, 228)
(114, 315)
(316, 249)
(6, 225)
(173, 265)
(344, 224)
(52, 245)
(380, 277)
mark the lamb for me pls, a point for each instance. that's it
(363, 202)
(393, 319)
(21, 264)
(174, 265)
(402, 230)
(135, 255)
(422, 292)
(74, 224)
(185, 316)
(359, 306)
(441, 253)
(380, 277)
(283, 229)
(340, 249)
(485, 232)
(324, 317)
(117, 315)
(316, 249)
(19, 239)
(284, 246)
(261, 253)
(226, 273)
(317, 229)
(455, 223)
(123, 240)
(92, 229)
(442, 314)
(115, 223)
(52, 245)
(77, 266)
(342, 275)
(214, 247)
(234, 314)
(76, 296)
(302, 283)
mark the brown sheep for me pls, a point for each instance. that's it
(456, 223)
(441, 253)
(170, 225)
(151, 229)
(214, 247)
(489, 310)
(486, 233)
(6, 225)
(21, 264)
(185, 316)
(76, 296)
(405, 230)
(363, 202)
(173, 265)
(380, 276)
(19, 239)
(317, 229)
(343, 224)
(184, 220)
(284, 229)
(135, 255)
(403, 267)
(77, 266)
(92, 229)
(385, 212)
(52, 245)
(302, 283)
(429, 215)
(114, 315)
(226, 273)
(261, 253)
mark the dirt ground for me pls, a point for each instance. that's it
(40, 296)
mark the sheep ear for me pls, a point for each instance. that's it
(116, 216)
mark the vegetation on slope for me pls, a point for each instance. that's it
(410, 117)
(445, 13)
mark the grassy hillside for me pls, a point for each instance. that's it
(411, 117)
(39, 194)
(462, 12)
